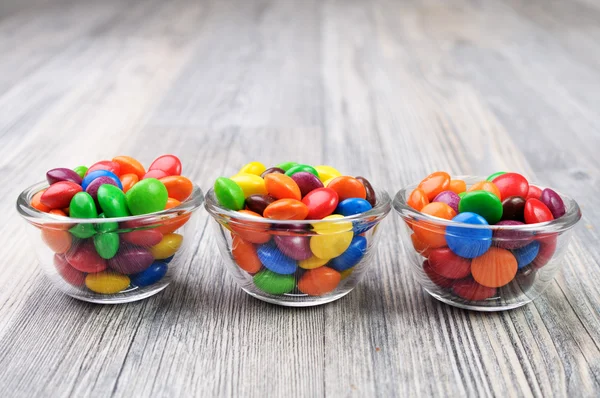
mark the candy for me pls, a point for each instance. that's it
(274, 260)
(91, 176)
(447, 264)
(256, 168)
(229, 194)
(273, 283)
(142, 237)
(470, 290)
(525, 255)
(320, 203)
(348, 187)
(83, 231)
(371, 196)
(286, 209)
(167, 247)
(147, 196)
(483, 203)
(37, 204)
(546, 251)
(158, 174)
(106, 244)
(281, 186)
(129, 165)
(82, 206)
(534, 192)
(128, 181)
(469, 242)
(251, 184)
(327, 246)
(319, 281)
(62, 174)
(352, 256)
(286, 166)
(420, 247)
(81, 171)
(553, 202)
(450, 198)
(83, 257)
(179, 187)
(485, 186)
(536, 212)
(258, 203)
(435, 183)
(59, 195)
(67, 272)
(170, 164)
(254, 232)
(430, 234)
(114, 202)
(495, 268)
(107, 165)
(171, 203)
(57, 240)
(301, 168)
(296, 247)
(327, 172)
(150, 275)
(496, 174)
(93, 186)
(106, 282)
(332, 225)
(457, 186)
(307, 182)
(511, 184)
(271, 170)
(244, 254)
(435, 277)
(131, 260)
(511, 239)
(312, 262)
(352, 206)
(417, 199)
(513, 208)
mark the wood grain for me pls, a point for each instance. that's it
(389, 89)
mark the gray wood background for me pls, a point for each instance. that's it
(391, 89)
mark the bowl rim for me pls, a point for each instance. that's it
(381, 209)
(35, 216)
(564, 223)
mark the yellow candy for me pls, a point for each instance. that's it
(106, 282)
(251, 184)
(324, 228)
(326, 182)
(330, 246)
(169, 244)
(311, 263)
(256, 168)
(327, 173)
(346, 273)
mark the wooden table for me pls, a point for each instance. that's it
(388, 89)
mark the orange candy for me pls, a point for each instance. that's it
(178, 187)
(435, 183)
(318, 281)
(429, 234)
(253, 232)
(58, 212)
(286, 209)
(245, 255)
(417, 199)
(37, 204)
(172, 225)
(495, 268)
(457, 186)
(128, 180)
(172, 203)
(281, 186)
(59, 241)
(130, 166)
(348, 187)
(421, 247)
(485, 186)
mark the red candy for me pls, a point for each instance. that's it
(59, 195)
(511, 184)
(67, 272)
(170, 164)
(142, 237)
(447, 264)
(85, 259)
(536, 212)
(468, 289)
(534, 192)
(435, 277)
(158, 174)
(321, 202)
(111, 166)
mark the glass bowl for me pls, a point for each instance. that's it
(534, 250)
(275, 261)
(151, 248)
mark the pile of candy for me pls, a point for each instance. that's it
(473, 262)
(110, 257)
(289, 258)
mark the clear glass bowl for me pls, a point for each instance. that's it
(539, 248)
(141, 267)
(251, 250)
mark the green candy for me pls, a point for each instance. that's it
(82, 206)
(491, 177)
(112, 201)
(106, 226)
(272, 283)
(285, 166)
(147, 196)
(484, 203)
(301, 167)
(228, 193)
(107, 245)
(83, 231)
(460, 195)
(81, 170)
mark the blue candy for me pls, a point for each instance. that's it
(525, 255)
(352, 206)
(274, 260)
(168, 259)
(469, 242)
(353, 254)
(100, 173)
(150, 275)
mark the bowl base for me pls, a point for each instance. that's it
(310, 301)
(481, 308)
(121, 298)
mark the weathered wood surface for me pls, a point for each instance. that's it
(388, 89)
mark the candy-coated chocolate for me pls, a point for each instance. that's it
(281, 186)
(296, 247)
(59, 195)
(450, 198)
(178, 187)
(306, 182)
(511, 239)
(93, 186)
(130, 165)
(285, 166)
(511, 184)
(254, 232)
(553, 202)
(158, 174)
(173, 224)
(327, 172)
(58, 240)
(170, 164)
(58, 212)
(417, 199)
(427, 231)
(83, 231)
(256, 168)
(371, 196)
(106, 226)
(108, 165)
(513, 208)
(525, 255)
(352, 256)
(128, 181)
(469, 289)
(547, 249)
(319, 281)
(495, 268)
(67, 272)
(229, 194)
(462, 194)
(167, 247)
(131, 259)
(301, 168)
(348, 187)
(258, 203)
(270, 170)
(332, 225)
(435, 183)
(447, 264)
(320, 202)
(106, 282)
(273, 259)
(485, 186)
(62, 174)
(36, 202)
(113, 201)
(312, 262)
(82, 206)
(147, 196)
(150, 275)
(286, 209)
(469, 242)
(328, 246)
(420, 247)
(457, 186)
(327, 182)
(171, 203)
(106, 244)
(496, 174)
(244, 254)
(534, 192)
(251, 184)
(484, 203)
(435, 277)
(536, 212)
(143, 237)
(352, 206)
(83, 257)
(273, 283)
(81, 171)
(91, 176)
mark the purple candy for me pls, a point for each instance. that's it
(450, 198)
(131, 260)
(511, 239)
(554, 202)
(92, 188)
(296, 247)
(306, 182)
(62, 174)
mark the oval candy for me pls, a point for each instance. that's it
(131, 260)
(450, 198)
(319, 281)
(435, 277)
(170, 164)
(513, 208)
(484, 203)
(113, 201)
(158, 174)
(178, 187)
(150, 275)
(254, 232)
(469, 242)
(83, 257)
(553, 202)
(470, 290)
(82, 206)
(536, 212)
(371, 196)
(286, 209)
(285, 166)
(59, 195)
(167, 247)
(534, 192)
(511, 239)
(270, 170)
(296, 247)
(511, 184)
(62, 174)
(143, 237)
(93, 186)
(80, 170)
(273, 283)
(348, 187)
(107, 165)
(301, 168)
(307, 182)
(67, 272)
(251, 184)
(449, 265)
(59, 241)
(326, 172)
(417, 199)
(130, 165)
(496, 174)
(457, 186)
(147, 196)
(106, 244)
(352, 206)
(256, 168)
(320, 203)
(495, 268)
(128, 181)
(106, 282)
(244, 254)
(229, 194)
(352, 256)
(435, 183)
(428, 232)
(258, 203)
(526, 254)
(274, 260)
(91, 176)
(312, 262)
(485, 186)
(281, 186)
